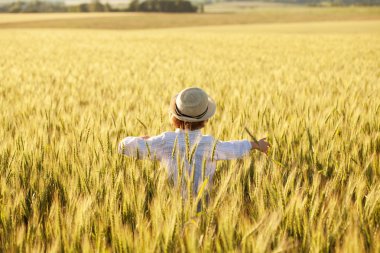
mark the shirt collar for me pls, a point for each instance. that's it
(196, 132)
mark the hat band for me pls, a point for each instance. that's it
(179, 113)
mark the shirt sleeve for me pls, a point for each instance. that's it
(142, 148)
(228, 150)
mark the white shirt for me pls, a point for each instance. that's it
(200, 148)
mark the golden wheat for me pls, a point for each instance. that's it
(68, 96)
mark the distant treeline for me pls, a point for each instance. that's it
(162, 6)
(96, 6)
(151, 5)
(20, 6)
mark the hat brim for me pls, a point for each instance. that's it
(210, 111)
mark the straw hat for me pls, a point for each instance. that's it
(192, 105)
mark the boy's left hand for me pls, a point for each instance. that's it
(262, 145)
(145, 137)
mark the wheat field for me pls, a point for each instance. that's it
(67, 97)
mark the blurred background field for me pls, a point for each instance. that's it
(135, 20)
(73, 84)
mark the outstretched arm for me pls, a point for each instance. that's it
(228, 150)
(141, 147)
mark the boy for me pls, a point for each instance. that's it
(189, 112)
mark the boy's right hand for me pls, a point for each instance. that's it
(262, 145)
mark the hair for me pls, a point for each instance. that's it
(187, 125)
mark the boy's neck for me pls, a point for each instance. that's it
(179, 130)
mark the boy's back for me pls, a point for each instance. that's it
(189, 149)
